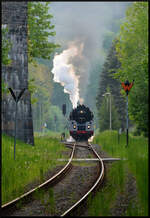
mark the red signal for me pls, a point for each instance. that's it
(127, 86)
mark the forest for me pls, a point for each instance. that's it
(128, 60)
(125, 49)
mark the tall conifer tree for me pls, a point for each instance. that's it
(109, 68)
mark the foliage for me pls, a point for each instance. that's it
(107, 42)
(40, 30)
(104, 114)
(32, 88)
(41, 81)
(40, 85)
(90, 97)
(106, 80)
(56, 120)
(96, 68)
(40, 51)
(59, 98)
(41, 89)
(132, 52)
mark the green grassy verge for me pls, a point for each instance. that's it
(30, 164)
(51, 134)
(136, 162)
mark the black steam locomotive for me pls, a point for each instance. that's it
(81, 125)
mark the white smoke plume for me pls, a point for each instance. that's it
(89, 22)
(64, 70)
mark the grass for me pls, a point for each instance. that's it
(47, 133)
(51, 201)
(30, 164)
(100, 205)
(50, 133)
(33, 161)
(136, 162)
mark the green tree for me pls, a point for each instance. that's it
(106, 80)
(90, 98)
(107, 42)
(59, 98)
(40, 86)
(104, 115)
(132, 52)
(56, 121)
(40, 31)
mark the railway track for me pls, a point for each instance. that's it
(10, 207)
(98, 180)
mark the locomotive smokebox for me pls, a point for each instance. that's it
(81, 123)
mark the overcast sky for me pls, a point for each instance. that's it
(85, 23)
(84, 19)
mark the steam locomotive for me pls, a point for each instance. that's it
(81, 125)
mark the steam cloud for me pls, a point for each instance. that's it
(65, 71)
(84, 24)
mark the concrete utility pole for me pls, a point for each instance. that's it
(110, 120)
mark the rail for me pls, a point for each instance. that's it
(92, 188)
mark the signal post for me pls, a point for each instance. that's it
(127, 86)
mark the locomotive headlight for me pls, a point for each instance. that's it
(74, 126)
(88, 126)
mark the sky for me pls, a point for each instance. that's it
(82, 25)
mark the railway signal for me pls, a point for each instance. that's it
(16, 98)
(127, 86)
